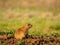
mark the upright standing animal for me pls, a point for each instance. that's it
(22, 32)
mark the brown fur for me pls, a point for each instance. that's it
(22, 32)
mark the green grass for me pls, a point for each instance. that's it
(36, 16)
(55, 27)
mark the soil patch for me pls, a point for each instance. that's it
(30, 40)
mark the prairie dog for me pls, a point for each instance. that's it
(22, 32)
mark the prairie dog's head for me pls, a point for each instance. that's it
(27, 26)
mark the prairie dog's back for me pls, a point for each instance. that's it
(22, 32)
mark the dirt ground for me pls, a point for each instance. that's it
(30, 40)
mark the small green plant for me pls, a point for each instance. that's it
(19, 43)
(2, 33)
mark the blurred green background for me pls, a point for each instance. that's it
(44, 15)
